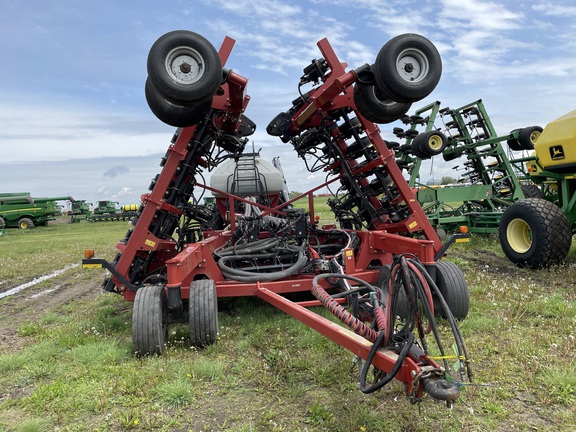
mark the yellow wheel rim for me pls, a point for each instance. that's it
(435, 142)
(519, 235)
(534, 136)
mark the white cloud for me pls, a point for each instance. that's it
(56, 133)
(555, 9)
(489, 16)
(266, 9)
(123, 193)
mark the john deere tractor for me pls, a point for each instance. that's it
(537, 232)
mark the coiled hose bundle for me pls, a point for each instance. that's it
(408, 274)
(259, 251)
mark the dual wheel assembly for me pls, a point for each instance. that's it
(184, 74)
(524, 139)
(150, 314)
(407, 69)
(150, 317)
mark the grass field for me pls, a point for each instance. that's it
(66, 360)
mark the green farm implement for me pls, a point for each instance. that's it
(529, 201)
(111, 211)
(538, 232)
(487, 182)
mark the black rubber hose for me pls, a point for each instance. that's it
(248, 248)
(390, 375)
(445, 307)
(246, 276)
(459, 339)
(352, 278)
(355, 324)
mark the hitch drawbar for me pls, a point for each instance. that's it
(441, 389)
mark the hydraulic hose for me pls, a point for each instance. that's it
(397, 365)
(459, 339)
(248, 248)
(343, 314)
(247, 276)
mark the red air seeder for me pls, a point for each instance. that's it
(380, 272)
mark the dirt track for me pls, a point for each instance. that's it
(33, 302)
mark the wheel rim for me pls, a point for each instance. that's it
(185, 65)
(435, 143)
(378, 95)
(534, 136)
(519, 235)
(412, 65)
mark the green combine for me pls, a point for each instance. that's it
(21, 210)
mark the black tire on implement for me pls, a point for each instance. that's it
(528, 137)
(451, 156)
(512, 142)
(376, 107)
(429, 144)
(531, 191)
(534, 233)
(150, 321)
(203, 313)
(453, 287)
(172, 114)
(184, 67)
(407, 68)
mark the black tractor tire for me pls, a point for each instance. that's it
(376, 107)
(441, 233)
(150, 321)
(172, 114)
(512, 142)
(402, 306)
(417, 152)
(453, 287)
(203, 313)
(184, 67)
(429, 144)
(347, 130)
(531, 191)
(407, 68)
(451, 156)
(26, 223)
(528, 137)
(534, 233)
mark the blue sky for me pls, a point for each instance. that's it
(74, 121)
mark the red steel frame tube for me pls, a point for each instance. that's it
(383, 360)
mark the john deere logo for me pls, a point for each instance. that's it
(557, 152)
